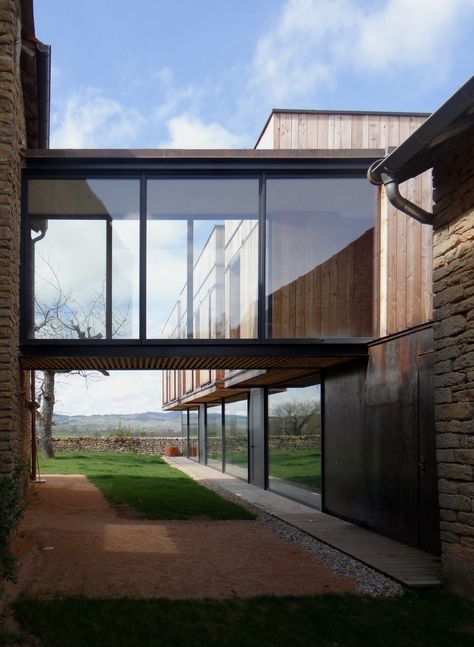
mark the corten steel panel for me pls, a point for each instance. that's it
(371, 439)
(429, 509)
(257, 437)
(345, 487)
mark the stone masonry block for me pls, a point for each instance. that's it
(446, 440)
(457, 411)
(455, 472)
(455, 502)
(448, 487)
(465, 456)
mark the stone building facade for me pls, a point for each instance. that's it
(12, 148)
(453, 284)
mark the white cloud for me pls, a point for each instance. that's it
(187, 131)
(121, 392)
(89, 119)
(409, 33)
(313, 40)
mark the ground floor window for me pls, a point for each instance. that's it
(236, 438)
(294, 442)
(214, 435)
(193, 434)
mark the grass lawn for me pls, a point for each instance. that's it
(145, 483)
(301, 467)
(432, 619)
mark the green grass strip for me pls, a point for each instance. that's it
(145, 483)
(433, 619)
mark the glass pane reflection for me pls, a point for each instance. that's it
(202, 241)
(294, 442)
(236, 438)
(214, 435)
(319, 264)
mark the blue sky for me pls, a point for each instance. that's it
(206, 74)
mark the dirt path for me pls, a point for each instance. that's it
(71, 541)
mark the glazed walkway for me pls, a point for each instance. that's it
(409, 566)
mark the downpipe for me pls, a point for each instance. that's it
(395, 197)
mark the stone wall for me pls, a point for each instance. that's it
(454, 358)
(154, 446)
(12, 144)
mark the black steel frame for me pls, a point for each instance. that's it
(143, 170)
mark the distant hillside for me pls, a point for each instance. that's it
(150, 423)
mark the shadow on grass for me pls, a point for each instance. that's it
(433, 619)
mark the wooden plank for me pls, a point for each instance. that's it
(294, 131)
(426, 281)
(277, 129)
(285, 131)
(373, 131)
(382, 135)
(391, 269)
(337, 131)
(346, 131)
(365, 131)
(302, 131)
(312, 131)
(356, 132)
(323, 132)
(331, 142)
(401, 287)
(393, 130)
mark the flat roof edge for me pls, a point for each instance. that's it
(204, 154)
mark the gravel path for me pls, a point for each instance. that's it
(369, 581)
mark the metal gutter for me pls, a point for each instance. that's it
(415, 154)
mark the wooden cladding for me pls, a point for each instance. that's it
(334, 299)
(404, 262)
(337, 131)
(177, 385)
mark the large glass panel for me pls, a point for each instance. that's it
(319, 263)
(214, 435)
(199, 232)
(236, 438)
(294, 443)
(184, 432)
(85, 258)
(193, 448)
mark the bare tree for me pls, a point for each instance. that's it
(293, 417)
(62, 316)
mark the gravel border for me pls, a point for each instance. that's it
(370, 582)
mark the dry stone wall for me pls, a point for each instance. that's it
(453, 279)
(12, 145)
(154, 446)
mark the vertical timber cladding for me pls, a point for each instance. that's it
(372, 465)
(12, 145)
(453, 286)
